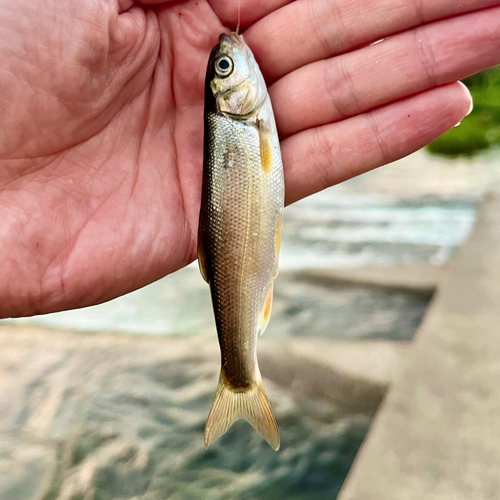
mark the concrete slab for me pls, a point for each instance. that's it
(437, 435)
(420, 278)
(353, 375)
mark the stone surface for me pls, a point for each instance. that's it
(414, 278)
(437, 435)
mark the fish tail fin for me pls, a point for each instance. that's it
(251, 405)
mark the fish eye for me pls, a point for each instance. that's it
(224, 66)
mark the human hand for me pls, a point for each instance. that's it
(102, 120)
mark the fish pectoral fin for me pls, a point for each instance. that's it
(265, 314)
(251, 405)
(266, 151)
(202, 256)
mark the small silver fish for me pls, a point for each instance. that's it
(239, 233)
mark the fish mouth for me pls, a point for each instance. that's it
(232, 39)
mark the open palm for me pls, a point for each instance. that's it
(102, 120)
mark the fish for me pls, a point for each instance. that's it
(239, 234)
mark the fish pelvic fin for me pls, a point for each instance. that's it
(251, 405)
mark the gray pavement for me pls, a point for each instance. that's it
(420, 277)
(437, 434)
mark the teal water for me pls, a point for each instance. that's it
(114, 420)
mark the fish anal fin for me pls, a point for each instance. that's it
(265, 314)
(251, 405)
(202, 256)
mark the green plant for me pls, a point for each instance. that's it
(481, 129)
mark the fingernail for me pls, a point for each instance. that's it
(471, 103)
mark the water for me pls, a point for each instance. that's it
(332, 230)
(101, 417)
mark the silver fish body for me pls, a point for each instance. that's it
(240, 229)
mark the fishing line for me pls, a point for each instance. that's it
(239, 18)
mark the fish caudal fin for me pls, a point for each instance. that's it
(251, 405)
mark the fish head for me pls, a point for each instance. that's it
(234, 84)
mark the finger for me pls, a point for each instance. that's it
(321, 157)
(406, 64)
(227, 10)
(308, 31)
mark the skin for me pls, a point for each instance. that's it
(101, 122)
